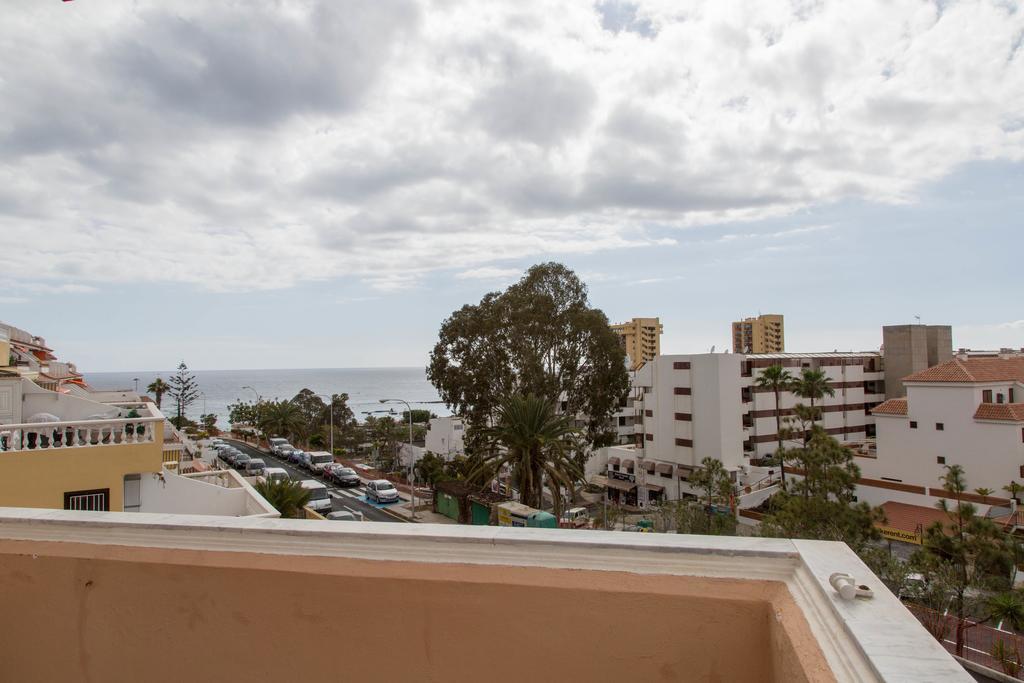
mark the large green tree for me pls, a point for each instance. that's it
(184, 389)
(820, 503)
(976, 556)
(777, 379)
(540, 336)
(536, 444)
(283, 418)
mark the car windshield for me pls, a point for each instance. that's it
(256, 462)
(346, 471)
(321, 458)
(318, 494)
(385, 486)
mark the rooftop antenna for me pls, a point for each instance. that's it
(918, 319)
(712, 349)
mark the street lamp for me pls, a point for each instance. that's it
(330, 407)
(412, 458)
(255, 427)
(136, 380)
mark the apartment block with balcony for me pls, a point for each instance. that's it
(641, 338)
(72, 448)
(764, 334)
(966, 411)
(688, 407)
(462, 603)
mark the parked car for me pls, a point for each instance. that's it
(344, 516)
(319, 499)
(275, 443)
(575, 518)
(382, 491)
(294, 455)
(253, 467)
(282, 450)
(318, 460)
(303, 460)
(342, 476)
(228, 455)
(275, 474)
(238, 462)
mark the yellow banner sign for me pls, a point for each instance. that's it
(900, 535)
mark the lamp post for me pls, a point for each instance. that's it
(255, 428)
(136, 380)
(412, 459)
(330, 407)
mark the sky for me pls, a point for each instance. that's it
(290, 183)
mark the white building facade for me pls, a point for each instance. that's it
(968, 411)
(688, 407)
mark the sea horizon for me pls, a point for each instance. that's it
(364, 386)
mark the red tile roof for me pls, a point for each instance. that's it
(912, 518)
(972, 370)
(894, 406)
(1013, 412)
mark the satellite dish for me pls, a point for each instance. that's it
(712, 349)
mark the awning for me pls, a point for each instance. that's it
(649, 466)
(664, 468)
(613, 460)
(627, 462)
(684, 471)
(621, 485)
(657, 488)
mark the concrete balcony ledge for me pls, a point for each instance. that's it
(673, 592)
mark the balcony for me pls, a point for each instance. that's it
(100, 594)
(65, 434)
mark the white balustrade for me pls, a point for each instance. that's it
(45, 436)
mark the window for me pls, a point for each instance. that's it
(986, 396)
(999, 398)
(681, 365)
(913, 424)
(1010, 396)
(682, 391)
(648, 413)
(649, 437)
(684, 417)
(95, 500)
(684, 442)
(939, 426)
(941, 460)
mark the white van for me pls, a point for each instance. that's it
(319, 499)
(276, 443)
(318, 460)
(276, 474)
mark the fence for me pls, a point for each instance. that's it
(981, 642)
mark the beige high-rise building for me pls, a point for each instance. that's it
(641, 337)
(763, 334)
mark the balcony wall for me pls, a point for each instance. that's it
(36, 469)
(122, 596)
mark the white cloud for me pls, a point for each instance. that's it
(387, 140)
(489, 273)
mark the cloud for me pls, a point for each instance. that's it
(234, 147)
(489, 273)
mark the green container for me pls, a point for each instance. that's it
(479, 514)
(448, 505)
(542, 520)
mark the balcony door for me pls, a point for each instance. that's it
(132, 492)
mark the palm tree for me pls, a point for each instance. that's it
(282, 417)
(777, 379)
(158, 388)
(537, 444)
(812, 384)
(287, 497)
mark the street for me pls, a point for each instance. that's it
(352, 499)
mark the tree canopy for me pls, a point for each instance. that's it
(540, 336)
(184, 389)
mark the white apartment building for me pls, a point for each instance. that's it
(445, 436)
(968, 411)
(688, 407)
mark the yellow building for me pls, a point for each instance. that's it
(763, 334)
(60, 445)
(641, 337)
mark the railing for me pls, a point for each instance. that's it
(990, 647)
(77, 433)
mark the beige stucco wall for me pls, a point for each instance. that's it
(121, 613)
(39, 478)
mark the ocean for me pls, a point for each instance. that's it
(364, 386)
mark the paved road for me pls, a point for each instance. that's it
(352, 499)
